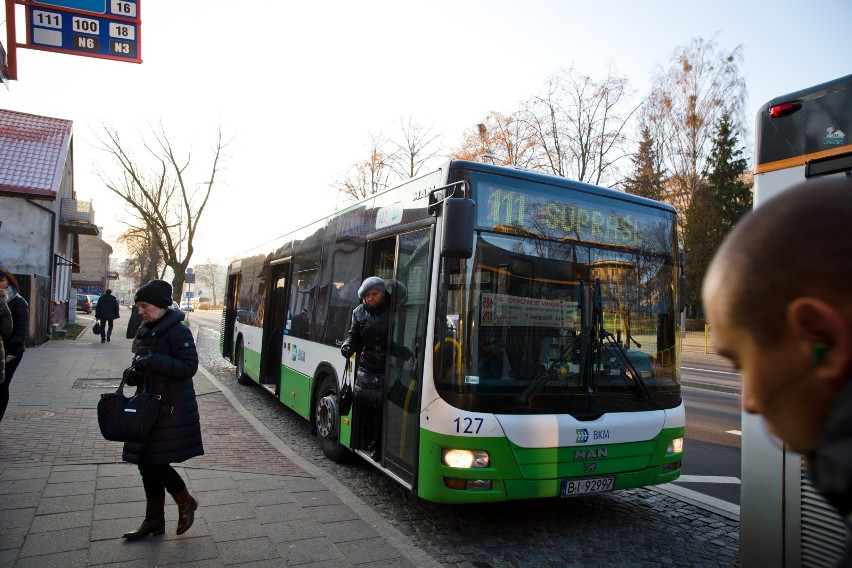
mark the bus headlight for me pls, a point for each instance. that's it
(675, 446)
(465, 459)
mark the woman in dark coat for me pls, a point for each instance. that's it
(14, 343)
(368, 336)
(166, 355)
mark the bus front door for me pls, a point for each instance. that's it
(229, 317)
(403, 262)
(273, 327)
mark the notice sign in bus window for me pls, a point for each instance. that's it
(84, 31)
(503, 310)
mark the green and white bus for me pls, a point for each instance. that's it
(543, 315)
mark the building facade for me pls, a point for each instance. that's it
(41, 219)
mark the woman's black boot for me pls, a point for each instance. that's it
(155, 520)
(186, 510)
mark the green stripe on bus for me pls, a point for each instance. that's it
(633, 464)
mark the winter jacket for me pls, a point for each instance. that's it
(133, 323)
(14, 343)
(5, 329)
(831, 463)
(369, 332)
(107, 308)
(166, 354)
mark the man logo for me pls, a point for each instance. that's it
(582, 435)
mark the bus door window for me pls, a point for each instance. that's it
(409, 290)
(303, 291)
(275, 322)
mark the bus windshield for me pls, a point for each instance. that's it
(567, 305)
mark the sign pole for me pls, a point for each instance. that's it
(11, 69)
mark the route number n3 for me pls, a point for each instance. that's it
(468, 425)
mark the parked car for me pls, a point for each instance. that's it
(187, 307)
(94, 299)
(84, 304)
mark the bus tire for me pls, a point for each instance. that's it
(242, 378)
(327, 420)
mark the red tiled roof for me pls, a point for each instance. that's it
(32, 152)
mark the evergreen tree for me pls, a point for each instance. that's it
(647, 179)
(722, 198)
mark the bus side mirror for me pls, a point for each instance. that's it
(457, 232)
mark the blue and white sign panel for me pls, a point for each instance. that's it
(118, 8)
(114, 35)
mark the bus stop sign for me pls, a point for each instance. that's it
(106, 29)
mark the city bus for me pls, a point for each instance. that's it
(542, 314)
(784, 521)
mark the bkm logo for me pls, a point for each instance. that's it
(582, 435)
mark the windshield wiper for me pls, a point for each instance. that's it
(602, 336)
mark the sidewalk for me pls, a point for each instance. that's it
(66, 497)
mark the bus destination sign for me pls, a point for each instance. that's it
(105, 29)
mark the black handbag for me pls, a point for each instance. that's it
(96, 329)
(346, 395)
(123, 419)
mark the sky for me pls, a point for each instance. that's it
(299, 88)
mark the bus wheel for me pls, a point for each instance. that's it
(242, 378)
(328, 421)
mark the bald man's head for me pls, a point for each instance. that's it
(798, 244)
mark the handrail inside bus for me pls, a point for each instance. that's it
(457, 345)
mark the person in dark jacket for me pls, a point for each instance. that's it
(14, 343)
(133, 323)
(368, 336)
(780, 308)
(167, 358)
(5, 329)
(105, 312)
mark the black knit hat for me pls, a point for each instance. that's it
(156, 292)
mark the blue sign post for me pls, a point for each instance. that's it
(106, 29)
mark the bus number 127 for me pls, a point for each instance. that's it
(466, 425)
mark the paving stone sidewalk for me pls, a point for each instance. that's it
(66, 496)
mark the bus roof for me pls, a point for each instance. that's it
(568, 183)
(806, 125)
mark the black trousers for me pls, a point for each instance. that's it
(106, 331)
(4, 388)
(159, 478)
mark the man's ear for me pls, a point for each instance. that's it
(824, 335)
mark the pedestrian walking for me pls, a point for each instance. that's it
(167, 359)
(106, 311)
(14, 343)
(777, 295)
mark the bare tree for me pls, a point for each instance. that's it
(415, 148)
(702, 83)
(502, 138)
(159, 197)
(578, 125)
(369, 176)
(212, 276)
(144, 260)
